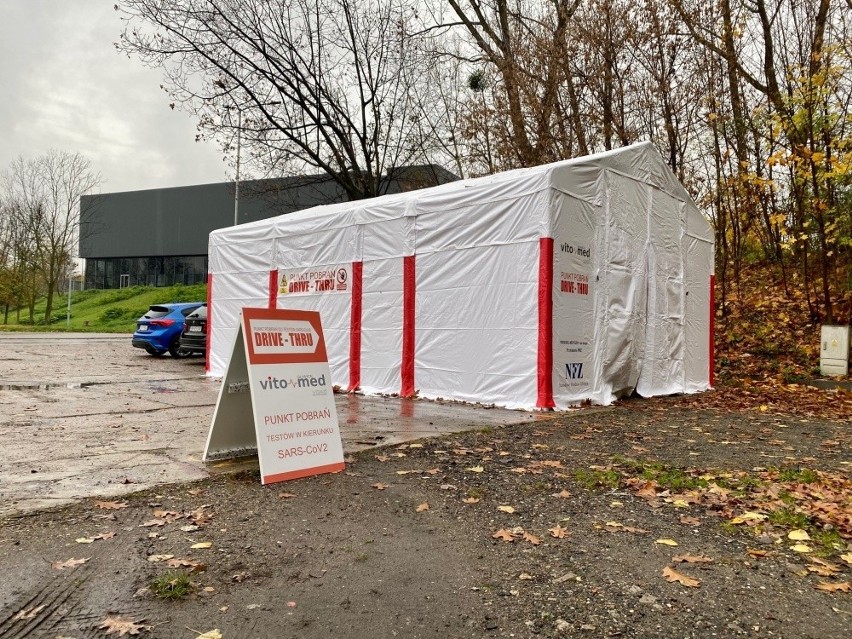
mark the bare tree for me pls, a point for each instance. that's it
(44, 209)
(331, 85)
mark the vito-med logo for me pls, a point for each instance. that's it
(574, 370)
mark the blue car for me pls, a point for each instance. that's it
(158, 330)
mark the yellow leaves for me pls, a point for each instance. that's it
(122, 626)
(471, 500)
(562, 494)
(476, 469)
(799, 535)
(525, 576)
(201, 545)
(847, 558)
(422, 507)
(748, 517)
(666, 542)
(68, 563)
(673, 576)
(210, 634)
(506, 509)
(803, 548)
(380, 486)
(100, 536)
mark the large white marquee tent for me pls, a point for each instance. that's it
(537, 288)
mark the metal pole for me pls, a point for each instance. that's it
(237, 182)
(68, 312)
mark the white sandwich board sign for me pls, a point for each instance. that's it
(278, 374)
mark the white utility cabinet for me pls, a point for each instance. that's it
(834, 353)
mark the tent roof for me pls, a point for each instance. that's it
(640, 161)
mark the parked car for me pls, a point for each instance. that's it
(158, 330)
(193, 338)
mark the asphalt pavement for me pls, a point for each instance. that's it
(85, 415)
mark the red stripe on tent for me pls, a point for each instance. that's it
(273, 288)
(303, 472)
(712, 358)
(209, 322)
(408, 283)
(355, 328)
(545, 323)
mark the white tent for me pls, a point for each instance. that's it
(535, 288)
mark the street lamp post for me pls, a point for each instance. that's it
(237, 181)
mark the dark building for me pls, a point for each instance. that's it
(158, 237)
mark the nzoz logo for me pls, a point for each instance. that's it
(574, 370)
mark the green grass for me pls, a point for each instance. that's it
(172, 585)
(592, 479)
(104, 311)
(789, 518)
(798, 475)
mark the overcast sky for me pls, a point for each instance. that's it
(64, 86)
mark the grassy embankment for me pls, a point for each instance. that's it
(103, 311)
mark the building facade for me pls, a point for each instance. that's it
(158, 237)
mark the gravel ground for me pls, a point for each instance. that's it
(402, 543)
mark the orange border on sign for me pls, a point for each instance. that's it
(304, 472)
(250, 314)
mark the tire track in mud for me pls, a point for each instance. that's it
(66, 602)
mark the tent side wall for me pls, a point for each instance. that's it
(441, 292)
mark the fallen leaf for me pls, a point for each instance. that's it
(382, 458)
(689, 521)
(112, 505)
(158, 558)
(471, 500)
(476, 469)
(209, 589)
(506, 509)
(190, 528)
(168, 515)
(503, 535)
(291, 604)
(433, 471)
(564, 494)
(194, 491)
(380, 486)
(673, 575)
(666, 542)
(415, 445)
(535, 541)
(423, 507)
(69, 563)
(822, 567)
(122, 626)
(525, 576)
(614, 524)
(757, 553)
(632, 529)
(692, 559)
(106, 535)
(847, 558)
(152, 522)
(28, 613)
(616, 504)
(799, 535)
(210, 634)
(85, 540)
(558, 532)
(840, 586)
(286, 495)
(194, 566)
(750, 516)
(202, 544)
(406, 472)
(801, 548)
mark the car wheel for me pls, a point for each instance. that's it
(154, 352)
(176, 350)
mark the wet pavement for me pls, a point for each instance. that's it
(88, 415)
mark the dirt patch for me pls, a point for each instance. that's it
(403, 542)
